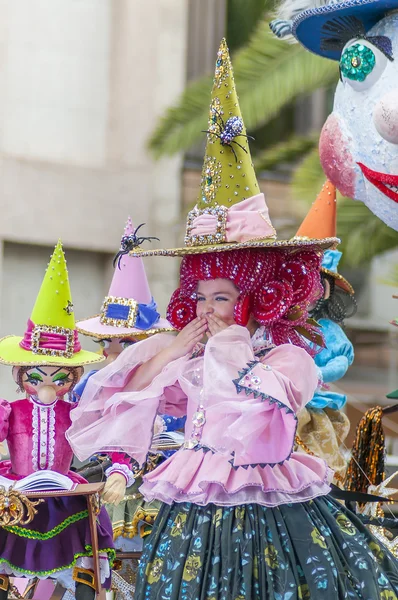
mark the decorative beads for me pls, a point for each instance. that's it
(190, 444)
(69, 307)
(220, 212)
(223, 65)
(357, 62)
(211, 179)
(199, 418)
(37, 336)
(233, 127)
(128, 313)
(216, 111)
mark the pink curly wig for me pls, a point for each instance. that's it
(276, 288)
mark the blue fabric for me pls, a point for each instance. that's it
(333, 362)
(307, 26)
(331, 260)
(79, 387)
(173, 423)
(117, 311)
(147, 314)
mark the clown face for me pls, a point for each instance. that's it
(359, 141)
(47, 383)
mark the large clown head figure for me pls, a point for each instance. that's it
(359, 141)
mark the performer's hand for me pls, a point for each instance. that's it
(188, 337)
(115, 489)
(215, 325)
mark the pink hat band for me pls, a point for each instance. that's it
(244, 221)
(50, 341)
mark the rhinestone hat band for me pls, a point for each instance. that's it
(50, 341)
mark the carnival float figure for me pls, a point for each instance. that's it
(359, 141)
(47, 363)
(322, 424)
(128, 315)
(243, 515)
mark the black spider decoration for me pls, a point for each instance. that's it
(228, 130)
(129, 242)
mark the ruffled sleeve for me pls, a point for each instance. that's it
(122, 464)
(5, 410)
(259, 424)
(109, 419)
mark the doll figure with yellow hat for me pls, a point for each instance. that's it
(128, 315)
(47, 362)
(243, 515)
(322, 426)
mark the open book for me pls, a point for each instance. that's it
(39, 481)
(167, 440)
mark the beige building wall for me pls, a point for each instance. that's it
(81, 85)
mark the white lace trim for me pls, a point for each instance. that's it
(43, 425)
(35, 448)
(124, 470)
(51, 437)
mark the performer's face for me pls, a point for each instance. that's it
(217, 296)
(49, 383)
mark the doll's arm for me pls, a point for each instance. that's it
(335, 369)
(119, 477)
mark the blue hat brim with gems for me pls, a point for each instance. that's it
(310, 27)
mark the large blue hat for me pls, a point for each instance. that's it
(319, 29)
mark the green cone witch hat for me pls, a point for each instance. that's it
(51, 336)
(231, 212)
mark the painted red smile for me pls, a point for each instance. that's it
(386, 183)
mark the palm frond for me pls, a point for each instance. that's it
(269, 74)
(287, 151)
(308, 178)
(363, 235)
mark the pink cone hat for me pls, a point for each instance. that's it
(129, 308)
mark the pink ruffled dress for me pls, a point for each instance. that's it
(241, 422)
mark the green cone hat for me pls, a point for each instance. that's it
(231, 212)
(51, 336)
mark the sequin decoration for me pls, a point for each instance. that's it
(39, 335)
(233, 128)
(119, 312)
(357, 62)
(216, 111)
(223, 65)
(218, 237)
(211, 179)
(181, 310)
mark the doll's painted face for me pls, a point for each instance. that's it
(219, 297)
(112, 347)
(47, 383)
(359, 142)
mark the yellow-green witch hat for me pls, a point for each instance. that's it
(51, 337)
(231, 212)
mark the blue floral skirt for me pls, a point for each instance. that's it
(316, 550)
